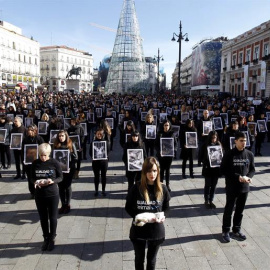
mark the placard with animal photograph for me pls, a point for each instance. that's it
(217, 122)
(90, 117)
(99, 150)
(30, 153)
(225, 117)
(215, 155)
(62, 155)
(121, 117)
(11, 116)
(151, 132)
(99, 112)
(38, 114)
(84, 126)
(143, 116)
(184, 117)
(169, 110)
(28, 121)
(135, 159)
(128, 137)
(76, 140)
(42, 128)
(207, 127)
(176, 130)
(191, 140)
(162, 117)
(3, 134)
(252, 128)
(67, 123)
(261, 125)
(53, 135)
(167, 147)
(247, 137)
(16, 141)
(110, 122)
(232, 142)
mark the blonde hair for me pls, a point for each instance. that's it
(44, 148)
(147, 167)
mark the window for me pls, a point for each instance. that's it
(234, 60)
(14, 46)
(30, 60)
(225, 63)
(35, 61)
(19, 58)
(240, 60)
(256, 53)
(248, 56)
(266, 49)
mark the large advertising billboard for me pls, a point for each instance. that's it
(206, 64)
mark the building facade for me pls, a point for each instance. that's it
(20, 58)
(245, 63)
(57, 61)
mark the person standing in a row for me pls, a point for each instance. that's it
(148, 195)
(46, 173)
(238, 167)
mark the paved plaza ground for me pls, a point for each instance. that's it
(94, 235)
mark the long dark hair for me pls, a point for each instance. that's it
(210, 136)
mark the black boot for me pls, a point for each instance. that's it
(45, 244)
(168, 186)
(51, 243)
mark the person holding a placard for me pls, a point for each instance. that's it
(166, 153)
(63, 141)
(5, 147)
(150, 196)
(251, 131)
(46, 173)
(211, 157)
(238, 167)
(125, 132)
(76, 129)
(202, 137)
(18, 128)
(261, 133)
(231, 131)
(149, 142)
(31, 138)
(187, 153)
(45, 118)
(99, 152)
(135, 143)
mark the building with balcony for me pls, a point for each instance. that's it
(245, 63)
(20, 60)
(57, 61)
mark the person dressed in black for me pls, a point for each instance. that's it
(231, 131)
(99, 154)
(46, 173)
(238, 167)
(148, 195)
(165, 154)
(30, 138)
(149, 141)
(135, 143)
(187, 153)
(18, 128)
(63, 142)
(211, 174)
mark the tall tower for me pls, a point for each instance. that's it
(127, 72)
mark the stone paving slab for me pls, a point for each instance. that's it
(95, 233)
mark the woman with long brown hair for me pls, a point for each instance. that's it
(63, 141)
(151, 196)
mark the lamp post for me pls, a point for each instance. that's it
(158, 58)
(180, 38)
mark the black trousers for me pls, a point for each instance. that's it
(65, 190)
(149, 147)
(165, 168)
(47, 210)
(31, 186)
(139, 248)
(132, 177)
(210, 187)
(239, 200)
(5, 151)
(100, 167)
(18, 160)
(184, 164)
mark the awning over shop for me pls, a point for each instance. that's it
(22, 86)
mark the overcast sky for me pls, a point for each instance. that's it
(70, 23)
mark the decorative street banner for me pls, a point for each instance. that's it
(263, 75)
(246, 78)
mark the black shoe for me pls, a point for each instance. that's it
(226, 237)
(207, 204)
(32, 196)
(51, 244)
(239, 236)
(96, 194)
(260, 154)
(67, 209)
(192, 176)
(0, 175)
(23, 176)
(5, 167)
(9, 166)
(199, 164)
(61, 210)
(169, 188)
(17, 177)
(104, 194)
(212, 205)
(45, 244)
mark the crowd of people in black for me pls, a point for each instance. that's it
(166, 127)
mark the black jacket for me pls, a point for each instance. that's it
(136, 204)
(237, 163)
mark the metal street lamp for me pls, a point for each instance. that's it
(158, 58)
(180, 38)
